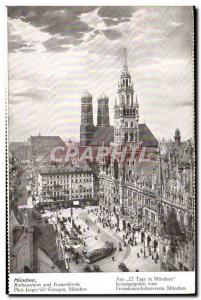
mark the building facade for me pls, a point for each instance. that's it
(65, 186)
(153, 197)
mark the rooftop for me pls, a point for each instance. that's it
(65, 169)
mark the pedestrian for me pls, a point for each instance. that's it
(113, 258)
(138, 255)
(150, 251)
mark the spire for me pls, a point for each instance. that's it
(125, 65)
(136, 101)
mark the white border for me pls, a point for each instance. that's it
(131, 283)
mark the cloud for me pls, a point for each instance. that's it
(66, 63)
(113, 22)
(61, 44)
(112, 34)
(66, 25)
(16, 41)
(184, 104)
(117, 13)
(34, 94)
(57, 21)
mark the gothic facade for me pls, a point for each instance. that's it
(154, 197)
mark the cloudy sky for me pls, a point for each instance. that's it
(56, 53)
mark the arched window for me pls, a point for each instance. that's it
(126, 136)
(126, 124)
(123, 100)
(131, 124)
(127, 100)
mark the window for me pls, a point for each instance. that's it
(127, 102)
(153, 216)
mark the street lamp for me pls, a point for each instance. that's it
(71, 213)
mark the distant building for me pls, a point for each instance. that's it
(20, 150)
(66, 186)
(41, 147)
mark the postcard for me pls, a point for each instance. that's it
(101, 150)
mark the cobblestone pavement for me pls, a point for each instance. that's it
(131, 260)
(89, 223)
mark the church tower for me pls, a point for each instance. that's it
(87, 126)
(177, 137)
(103, 118)
(126, 109)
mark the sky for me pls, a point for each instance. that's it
(57, 53)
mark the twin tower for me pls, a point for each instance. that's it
(87, 127)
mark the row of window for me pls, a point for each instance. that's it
(82, 190)
(72, 197)
(67, 176)
(153, 216)
(67, 182)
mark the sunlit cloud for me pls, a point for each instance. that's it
(56, 53)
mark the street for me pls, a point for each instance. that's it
(94, 236)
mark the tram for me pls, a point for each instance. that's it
(98, 254)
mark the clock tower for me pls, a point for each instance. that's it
(126, 109)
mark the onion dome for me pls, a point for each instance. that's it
(103, 96)
(177, 133)
(86, 96)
